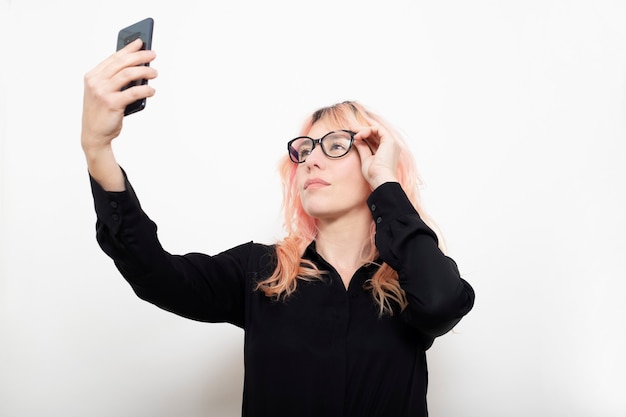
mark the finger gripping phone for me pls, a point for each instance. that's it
(140, 30)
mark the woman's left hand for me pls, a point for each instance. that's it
(380, 167)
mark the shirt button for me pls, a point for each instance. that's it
(113, 204)
(379, 219)
(115, 216)
(373, 207)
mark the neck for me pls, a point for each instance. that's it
(343, 242)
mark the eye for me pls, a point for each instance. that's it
(338, 146)
(304, 151)
(300, 148)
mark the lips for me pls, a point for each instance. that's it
(315, 183)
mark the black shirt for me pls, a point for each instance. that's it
(325, 351)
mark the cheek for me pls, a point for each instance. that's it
(354, 173)
(363, 187)
(359, 182)
(299, 179)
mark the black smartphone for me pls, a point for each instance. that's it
(142, 29)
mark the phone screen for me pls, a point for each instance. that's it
(143, 30)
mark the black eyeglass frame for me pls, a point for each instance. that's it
(316, 141)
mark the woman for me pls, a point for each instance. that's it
(337, 316)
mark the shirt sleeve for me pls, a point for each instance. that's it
(196, 286)
(437, 296)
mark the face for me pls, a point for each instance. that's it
(331, 188)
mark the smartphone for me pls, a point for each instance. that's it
(142, 29)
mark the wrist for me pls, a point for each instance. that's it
(96, 151)
(377, 182)
(103, 167)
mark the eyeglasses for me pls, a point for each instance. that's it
(334, 144)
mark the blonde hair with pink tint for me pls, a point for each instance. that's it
(301, 228)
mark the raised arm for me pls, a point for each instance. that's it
(103, 109)
(437, 295)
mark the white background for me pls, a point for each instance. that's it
(515, 111)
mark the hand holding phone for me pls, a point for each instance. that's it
(140, 30)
